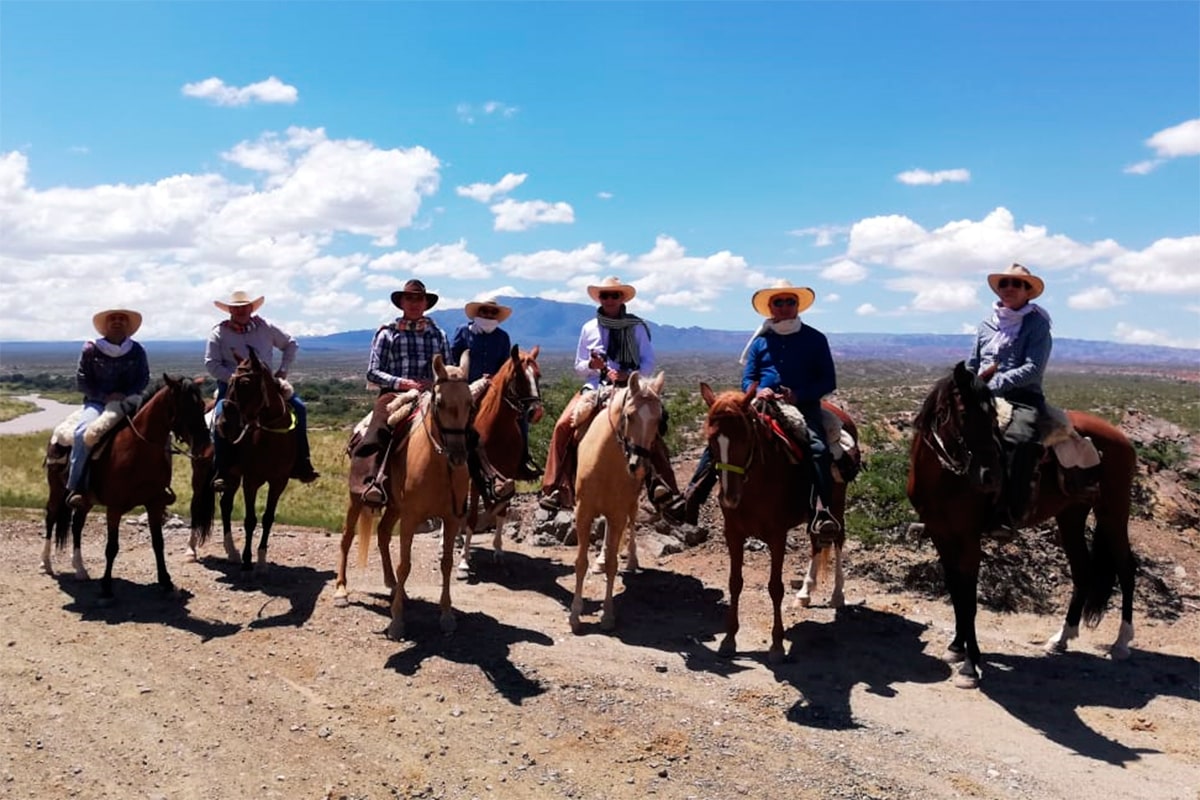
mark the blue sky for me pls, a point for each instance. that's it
(161, 155)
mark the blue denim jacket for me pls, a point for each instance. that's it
(1021, 362)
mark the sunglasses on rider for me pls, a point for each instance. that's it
(783, 301)
(487, 312)
(1015, 283)
(611, 295)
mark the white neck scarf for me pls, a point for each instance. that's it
(784, 327)
(482, 325)
(113, 350)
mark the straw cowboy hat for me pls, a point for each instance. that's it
(240, 298)
(612, 284)
(502, 312)
(1037, 285)
(100, 320)
(762, 298)
(414, 286)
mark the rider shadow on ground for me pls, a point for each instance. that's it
(518, 572)
(139, 603)
(479, 640)
(1046, 692)
(299, 586)
(826, 660)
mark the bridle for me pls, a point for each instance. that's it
(433, 422)
(620, 427)
(285, 416)
(522, 404)
(747, 424)
(946, 438)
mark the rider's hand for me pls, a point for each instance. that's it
(987, 374)
(596, 361)
(618, 376)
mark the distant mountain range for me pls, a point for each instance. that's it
(555, 327)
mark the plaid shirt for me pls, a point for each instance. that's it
(397, 353)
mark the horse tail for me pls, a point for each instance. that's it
(821, 560)
(204, 497)
(362, 528)
(1102, 576)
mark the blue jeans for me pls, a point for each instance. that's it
(80, 451)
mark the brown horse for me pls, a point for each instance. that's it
(427, 478)
(258, 423)
(130, 469)
(612, 460)
(763, 494)
(955, 475)
(511, 395)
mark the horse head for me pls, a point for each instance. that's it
(521, 388)
(639, 410)
(450, 405)
(958, 423)
(732, 441)
(187, 412)
(253, 393)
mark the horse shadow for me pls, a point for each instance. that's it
(825, 661)
(518, 572)
(140, 604)
(1046, 693)
(299, 586)
(480, 640)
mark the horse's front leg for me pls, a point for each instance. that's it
(450, 530)
(349, 529)
(631, 564)
(583, 533)
(387, 524)
(735, 542)
(804, 596)
(155, 517)
(964, 649)
(111, 548)
(474, 517)
(608, 615)
(274, 492)
(775, 589)
(227, 498)
(250, 499)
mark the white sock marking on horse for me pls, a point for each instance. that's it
(1058, 642)
(47, 567)
(1120, 648)
(77, 562)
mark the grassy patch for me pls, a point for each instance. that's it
(11, 408)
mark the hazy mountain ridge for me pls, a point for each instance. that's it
(555, 327)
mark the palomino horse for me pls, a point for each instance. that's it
(764, 494)
(511, 395)
(427, 478)
(259, 425)
(955, 475)
(612, 465)
(130, 469)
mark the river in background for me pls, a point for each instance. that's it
(48, 415)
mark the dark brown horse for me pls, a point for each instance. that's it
(513, 394)
(764, 494)
(133, 468)
(955, 475)
(258, 423)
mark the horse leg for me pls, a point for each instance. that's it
(1125, 573)
(499, 520)
(804, 596)
(612, 545)
(155, 516)
(274, 491)
(450, 531)
(113, 519)
(249, 499)
(387, 524)
(583, 534)
(775, 589)
(78, 517)
(1071, 524)
(349, 528)
(407, 526)
(963, 583)
(631, 565)
(735, 542)
(231, 551)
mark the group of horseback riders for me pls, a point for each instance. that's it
(788, 361)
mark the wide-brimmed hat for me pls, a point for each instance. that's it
(762, 298)
(502, 312)
(414, 286)
(240, 298)
(1037, 285)
(612, 284)
(100, 320)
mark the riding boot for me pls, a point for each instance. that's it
(822, 523)
(493, 487)
(368, 473)
(220, 463)
(1022, 474)
(699, 488)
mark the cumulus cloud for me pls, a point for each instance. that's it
(1168, 266)
(521, 215)
(1094, 299)
(485, 192)
(1130, 334)
(823, 235)
(845, 271)
(920, 177)
(470, 113)
(215, 90)
(439, 260)
(1144, 167)
(604, 195)
(561, 264)
(1181, 140)
(866, 310)
(937, 296)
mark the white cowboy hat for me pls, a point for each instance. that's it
(612, 284)
(502, 312)
(1036, 284)
(100, 320)
(239, 298)
(762, 298)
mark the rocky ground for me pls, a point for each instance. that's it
(260, 687)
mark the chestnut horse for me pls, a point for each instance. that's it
(427, 478)
(612, 460)
(133, 468)
(764, 494)
(955, 474)
(511, 395)
(259, 425)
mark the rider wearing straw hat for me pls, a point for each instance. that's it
(231, 341)
(111, 367)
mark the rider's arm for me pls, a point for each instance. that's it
(214, 357)
(286, 344)
(380, 365)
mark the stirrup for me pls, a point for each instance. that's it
(374, 495)
(77, 500)
(552, 502)
(823, 525)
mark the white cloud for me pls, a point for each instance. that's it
(823, 235)
(937, 296)
(845, 271)
(866, 310)
(272, 90)
(1093, 299)
(469, 113)
(1168, 266)
(920, 177)
(521, 215)
(559, 264)
(1129, 334)
(832, 297)
(439, 260)
(1144, 167)
(604, 195)
(484, 192)
(1181, 140)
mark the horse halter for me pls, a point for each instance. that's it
(249, 422)
(621, 429)
(946, 437)
(747, 425)
(436, 422)
(522, 404)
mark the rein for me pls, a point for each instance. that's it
(255, 423)
(171, 435)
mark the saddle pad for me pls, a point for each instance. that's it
(111, 416)
(478, 387)
(1076, 451)
(402, 406)
(64, 434)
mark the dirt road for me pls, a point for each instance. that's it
(264, 689)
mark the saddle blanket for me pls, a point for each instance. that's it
(1070, 448)
(64, 433)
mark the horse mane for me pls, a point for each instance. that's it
(925, 418)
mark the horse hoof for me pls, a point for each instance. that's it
(340, 601)
(395, 631)
(190, 555)
(803, 600)
(462, 573)
(608, 623)
(952, 656)
(837, 601)
(962, 681)
(728, 648)
(1055, 647)
(1119, 652)
(576, 625)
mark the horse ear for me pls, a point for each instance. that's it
(706, 393)
(439, 366)
(635, 382)
(198, 380)
(167, 379)
(537, 348)
(748, 397)
(464, 363)
(657, 384)
(515, 355)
